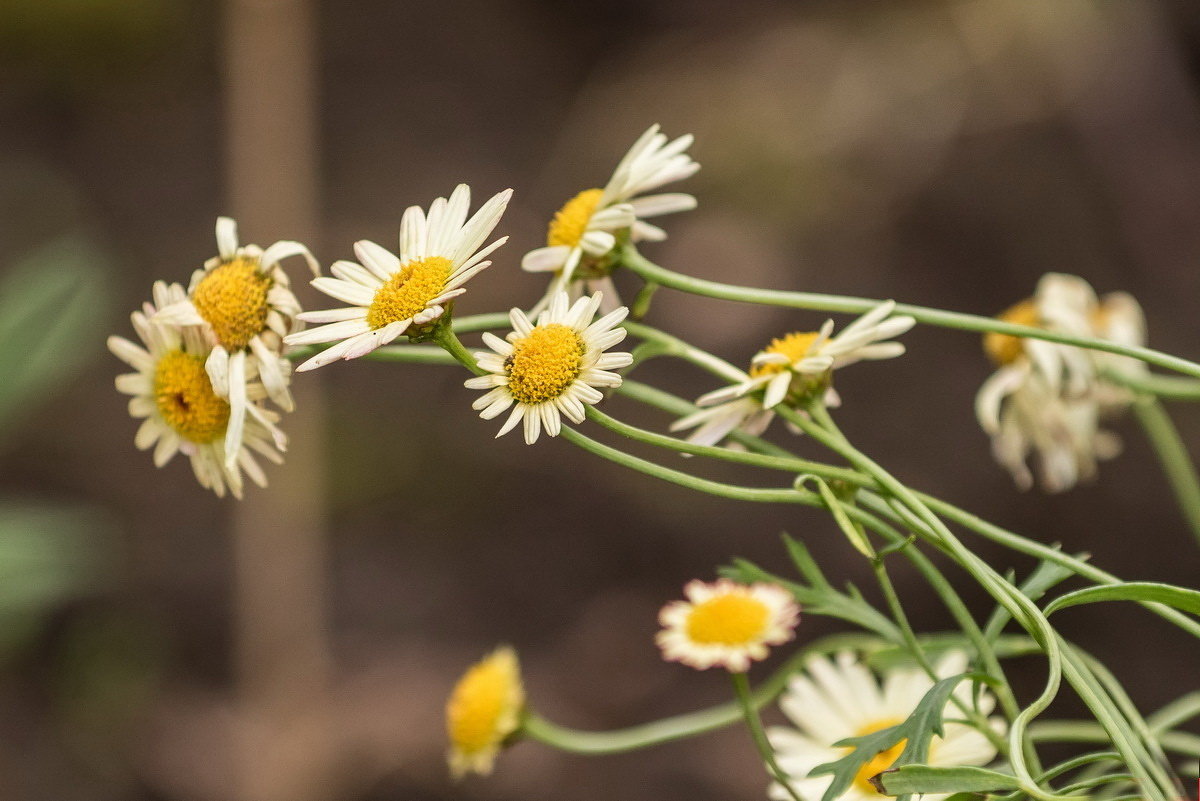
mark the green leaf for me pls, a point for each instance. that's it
(853, 531)
(924, 779)
(920, 727)
(1182, 599)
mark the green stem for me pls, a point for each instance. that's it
(650, 271)
(741, 688)
(1086, 731)
(683, 726)
(1173, 455)
(1168, 387)
(444, 335)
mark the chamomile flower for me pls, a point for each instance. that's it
(390, 294)
(483, 711)
(794, 368)
(726, 624)
(180, 408)
(1045, 400)
(833, 699)
(550, 369)
(586, 228)
(242, 301)
(1028, 417)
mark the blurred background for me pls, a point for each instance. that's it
(158, 643)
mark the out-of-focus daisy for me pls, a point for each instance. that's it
(833, 699)
(794, 368)
(585, 230)
(1046, 399)
(181, 410)
(242, 300)
(1025, 416)
(388, 294)
(483, 711)
(726, 624)
(551, 369)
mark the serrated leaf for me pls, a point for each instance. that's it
(1182, 599)
(925, 779)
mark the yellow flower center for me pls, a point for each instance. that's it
(186, 400)
(794, 346)
(232, 298)
(484, 706)
(730, 619)
(881, 761)
(409, 291)
(1004, 349)
(544, 363)
(571, 220)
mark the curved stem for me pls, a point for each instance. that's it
(1173, 455)
(686, 725)
(1167, 387)
(650, 271)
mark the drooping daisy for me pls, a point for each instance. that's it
(388, 294)
(726, 624)
(794, 368)
(180, 408)
(1046, 399)
(1025, 416)
(584, 231)
(242, 300)
(483, 711)
(833, 699)
(551, 369)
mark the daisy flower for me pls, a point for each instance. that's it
(585, 229)
(551, 369)
(1046, 399)
(389, 294)
(833, 699)
(726, 624)
(180, 408)
(241, 299)
(483, 711)
(1025, 416)
(793, 368)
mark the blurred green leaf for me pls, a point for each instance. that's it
(925, 779)
(1182, 599)
(51, 306)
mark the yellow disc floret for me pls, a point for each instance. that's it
(232, 298)
(881, 761)
(409, 291)
(544, 363)
(186, 400)
(794, 346)
(729, 619)
(1004, 349)
(483, 710)
(570, 222)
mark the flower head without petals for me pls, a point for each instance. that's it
(390, 294)
(726, 624)
(483, 711)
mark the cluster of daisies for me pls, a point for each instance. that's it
(212, 370)
(1046, 402)
(729, 625)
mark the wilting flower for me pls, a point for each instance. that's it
(242, 301)
(726, 624)
(180, 408)
(833, 699)
(585, 229)
(1046, 399)
(551, 369)
(389, 294)
(483, 711)
(794, 368)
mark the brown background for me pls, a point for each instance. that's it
(943, 153)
